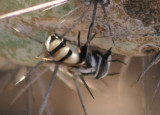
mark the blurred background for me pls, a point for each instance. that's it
(115, 98)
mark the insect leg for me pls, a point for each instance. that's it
(28, 80)
(28, 97)
(154, 94)
(116, 60)
(72, 11)
(93, 36)
(29, 37)
(42, 88)
(107, 19)
(79, 44)
(78, 20)
(48, 91)
(44, 59)
(85, 84)
(154, 61)
(30, 71)
(27, 86)
(91, 27)
(48, 60)
(35, 67)
(80, 95)
(112, 74)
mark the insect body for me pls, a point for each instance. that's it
(57, 48)
(95, 63)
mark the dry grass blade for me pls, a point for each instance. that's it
(33, 8)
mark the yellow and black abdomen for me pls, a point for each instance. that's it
(60, 52)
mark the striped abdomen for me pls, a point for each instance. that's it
(98, 64)
(62, 53)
